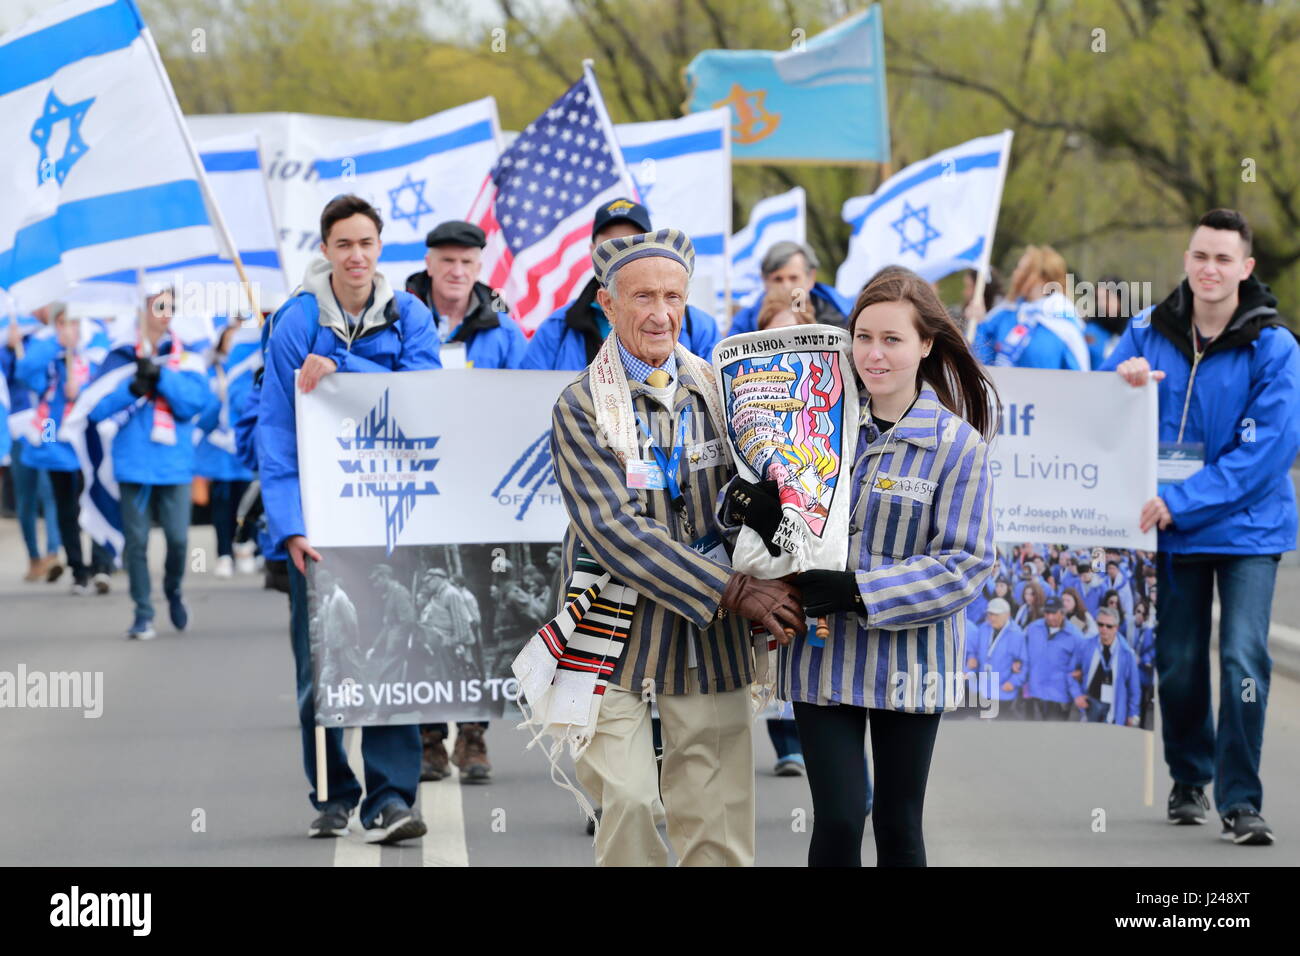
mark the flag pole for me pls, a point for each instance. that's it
(218, 220)
(982, 273)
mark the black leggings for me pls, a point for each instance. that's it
(833, 743)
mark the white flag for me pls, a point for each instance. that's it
(934, 217)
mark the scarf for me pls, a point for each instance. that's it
(78, 373)
(164, 422)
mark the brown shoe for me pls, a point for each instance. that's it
(470, 754)
(433, 761)
(36, 568)
(54, 570)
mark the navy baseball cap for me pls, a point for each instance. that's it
(621, 210)
(1053, 604)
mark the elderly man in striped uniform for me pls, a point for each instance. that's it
(636, 441)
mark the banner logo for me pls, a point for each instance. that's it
(753, 121)
(524, 480)
(383, 462)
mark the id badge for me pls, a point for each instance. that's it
(1108, 694)
(1178, 461)
(453, 355)
(645, 475)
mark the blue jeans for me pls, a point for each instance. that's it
(1196, 754)
(170, 506)
(785, 737)
(391, 754)
(33, 498)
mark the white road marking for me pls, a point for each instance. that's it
(444, 815)
(353, 850)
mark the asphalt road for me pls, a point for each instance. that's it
(195, 761)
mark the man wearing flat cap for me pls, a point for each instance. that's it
(472, 322)
(570, 337)
(636, 445)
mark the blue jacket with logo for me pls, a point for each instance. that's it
(137, 458)
(1048, 346)
(397, 335)
(830, 307)
(43, 361)
(1244, 407)
(569, 338)
(1124, 671)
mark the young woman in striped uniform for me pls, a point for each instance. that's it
(921, 547)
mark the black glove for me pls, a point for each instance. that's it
(829, 592)
(146, 378)
(758, 507)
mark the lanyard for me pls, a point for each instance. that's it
(1196, 361)
(670, 465)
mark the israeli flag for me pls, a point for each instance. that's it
(417, 176)
(774, 219)
(682, 168)
(98, 170)
(822, 99)
(934, 217)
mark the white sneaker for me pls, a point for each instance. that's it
(245, 561)
(225, 567)
(103, 584)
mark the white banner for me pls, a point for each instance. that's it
(451, 456)
(1075, 460)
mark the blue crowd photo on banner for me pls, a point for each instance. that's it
(823, 99)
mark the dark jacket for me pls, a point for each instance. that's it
(492, 339)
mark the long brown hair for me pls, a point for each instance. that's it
(957, 377)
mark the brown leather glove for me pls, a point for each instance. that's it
(775, 605)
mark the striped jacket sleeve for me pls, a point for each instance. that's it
(611, 520)
(931, 587)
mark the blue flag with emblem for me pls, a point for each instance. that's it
(100, 172)
(934, 217)
(823, 99)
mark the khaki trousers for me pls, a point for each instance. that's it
(707, 782)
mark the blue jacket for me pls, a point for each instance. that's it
(43, 359)
(569, 338)
(829, 306)
(1124, 668)
(492, 339)
(1049, 344)
(1244, 407)
(398, 335)
(1050, 660)
(997, 664)
(1145, 648)
(1101, 342)
(137, 458)
(218, 455)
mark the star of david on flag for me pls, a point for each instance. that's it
(926, 232)
(43, 130)
(415, 208)
(537, 204)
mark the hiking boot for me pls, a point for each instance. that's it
(470, 754)
(395, 823)
(332, 822)
(1187, 804)
(434, 764)
(1247, 828)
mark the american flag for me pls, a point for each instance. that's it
(537, 204)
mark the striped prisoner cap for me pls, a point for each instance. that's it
(612, 254)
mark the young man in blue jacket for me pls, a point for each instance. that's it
(569, 338)
(1228, 370)
(345, 318)
(472, 331)
(158, 390)
(789, 269)
(54, 369)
